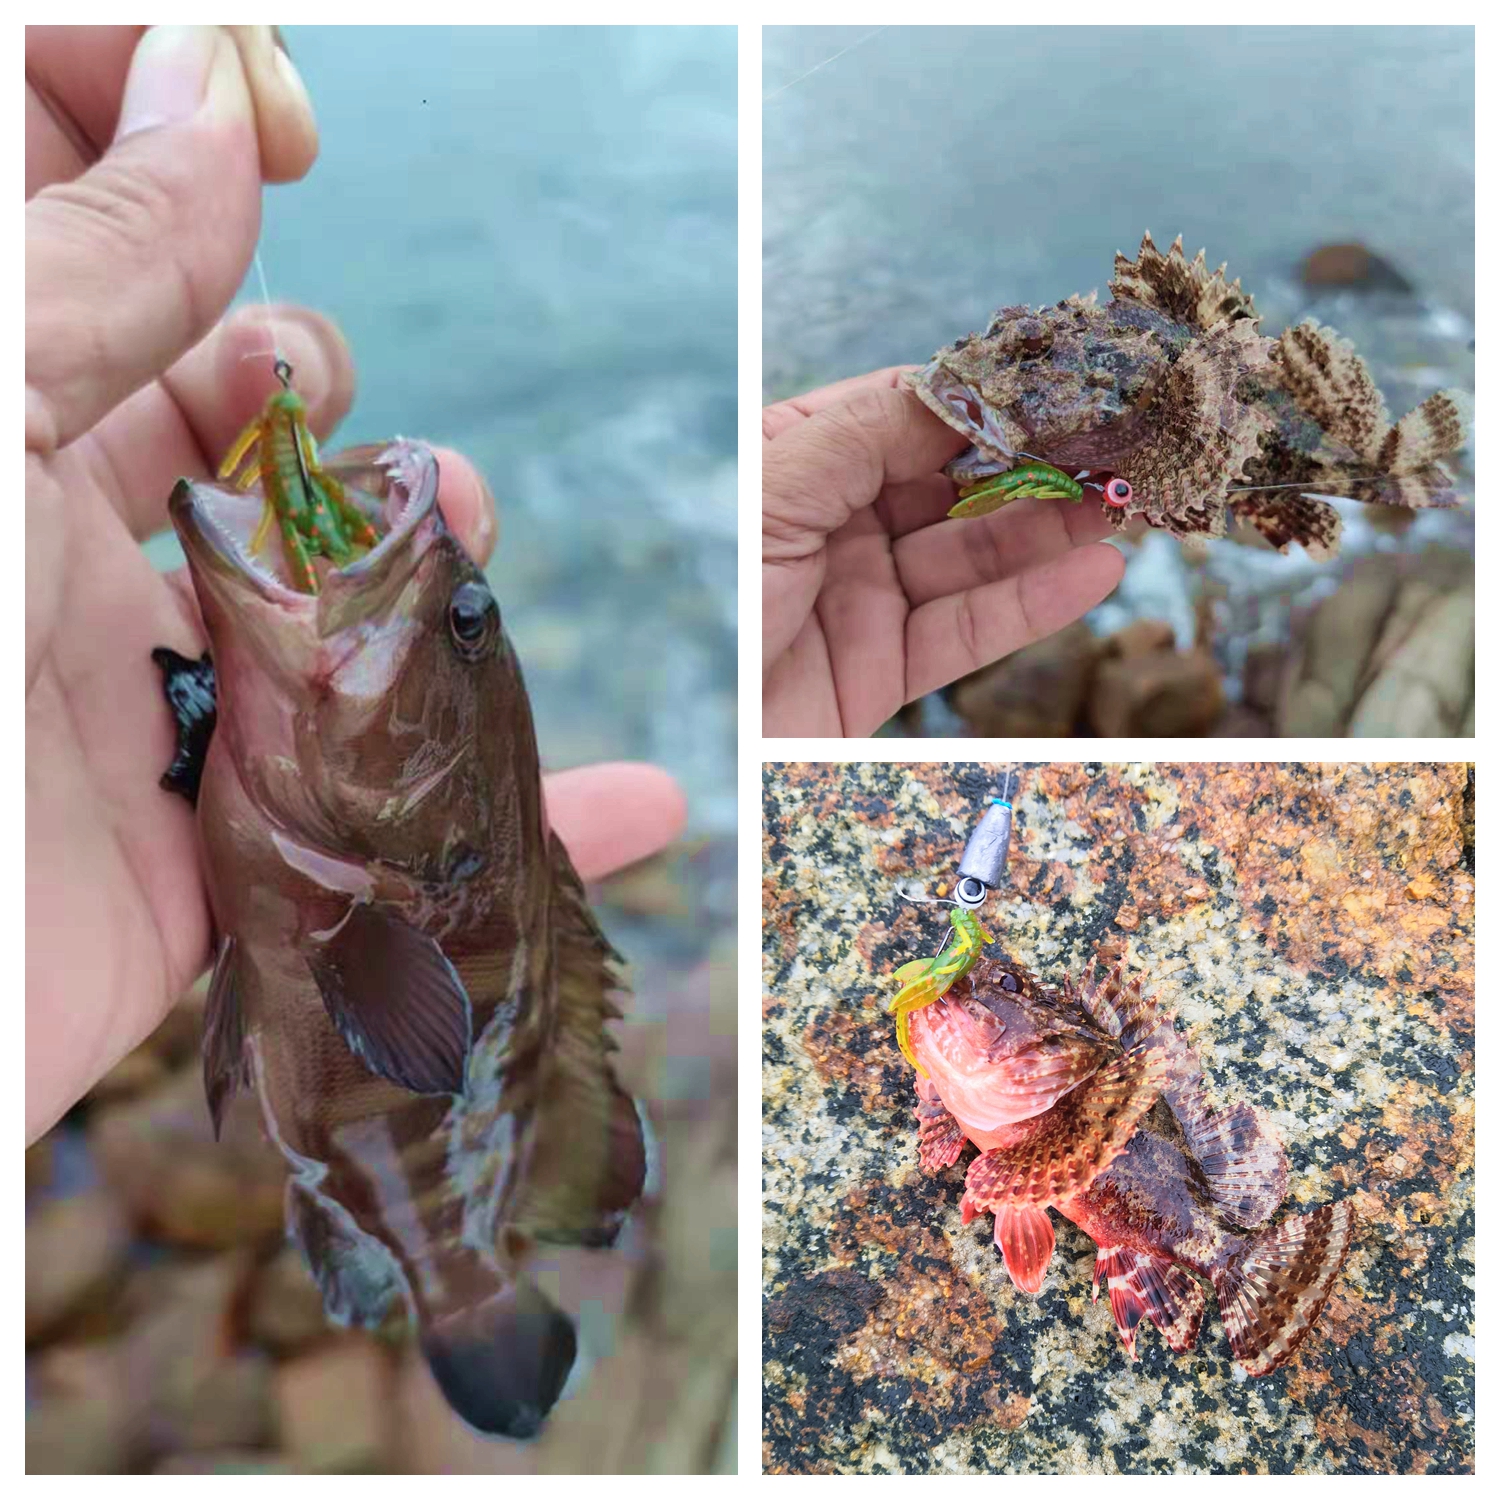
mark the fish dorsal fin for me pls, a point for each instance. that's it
(226, 1064)
(397, 1001)
(589, 1162)
(1180, 288)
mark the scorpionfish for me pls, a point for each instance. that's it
(1088, 1101)
(1172, 388)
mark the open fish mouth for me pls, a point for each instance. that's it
(393, 484)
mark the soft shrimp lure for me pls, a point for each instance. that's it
(982, 868)
(927, 979)
(316, 516)
(1039, 481)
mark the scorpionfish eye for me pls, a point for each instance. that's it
(473, 620)
(1117, 492)
(1010, 982)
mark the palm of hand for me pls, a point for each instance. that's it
(117, 915)
(871, 596)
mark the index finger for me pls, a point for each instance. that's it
(838, 459)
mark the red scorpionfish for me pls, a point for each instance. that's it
(1089, 1102)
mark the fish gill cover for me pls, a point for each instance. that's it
(1312, 929)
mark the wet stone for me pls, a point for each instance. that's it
(1270, 907)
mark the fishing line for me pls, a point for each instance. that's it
(281, 365)
(764, 98)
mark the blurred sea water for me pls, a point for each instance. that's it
(528, 236)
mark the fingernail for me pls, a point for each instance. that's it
(286, 70)
(168, 78)
(488, 525)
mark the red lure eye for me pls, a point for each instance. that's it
(1117, 492)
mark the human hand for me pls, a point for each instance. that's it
(137, 236)
(871, 597)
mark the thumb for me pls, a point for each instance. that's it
(131, 264)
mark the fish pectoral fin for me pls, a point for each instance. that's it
(397, 1001)
(356, 1274)
(940, 1139)
(226, 1064)
(1064, 1149)
(1151, 1286)
(1025, 1236)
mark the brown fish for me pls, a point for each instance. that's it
(408, 974)
(1059, 1090)
(1172, 387)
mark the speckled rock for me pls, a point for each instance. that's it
(1312, 927)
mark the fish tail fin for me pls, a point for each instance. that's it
(1272, 1291)
(502, 1365)
(1150, 1286)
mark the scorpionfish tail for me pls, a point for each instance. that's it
(1149, 1286)
(1272, 1291)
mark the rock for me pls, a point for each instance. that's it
(179, 1184)
(75, 1251)
(74, 1437)
(188, 1389)
(1144, 686)
(334, 1407)
(1038, 690)
(1423, 664)
(81, 1421)
(1311, 926)
(1391, 652)
(1352, 266)
(286, 1308)
(1322, 682)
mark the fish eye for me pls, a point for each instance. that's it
(473, 620)
(1010, 982)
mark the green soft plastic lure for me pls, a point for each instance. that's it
(315, 514)
(927, 979)
(1038, 481)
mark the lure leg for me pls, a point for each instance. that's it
(297, 556)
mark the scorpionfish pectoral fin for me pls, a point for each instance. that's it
(940, 1139)
(1062, 1151)
(1142, 1285)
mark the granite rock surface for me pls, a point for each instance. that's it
(1312, 928)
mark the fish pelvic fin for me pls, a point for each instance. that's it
(226, 1063)
(589, 1165)
(1150, 1286)
(940, 1140)
(502, 1365)
(1064, 1149)
(1026, 1239)
(1273, 1290)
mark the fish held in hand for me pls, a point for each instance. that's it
(1088, 1101)
(408, 973)
(1168, 403)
